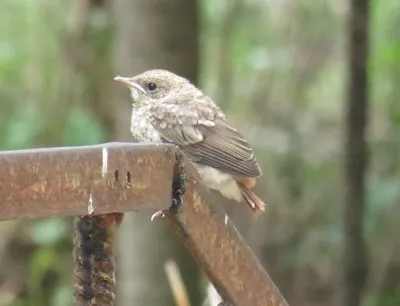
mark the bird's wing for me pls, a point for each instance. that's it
(213, 143)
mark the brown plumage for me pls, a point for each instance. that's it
(168, 108)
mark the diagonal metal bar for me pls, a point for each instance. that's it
(216, 244)
(121, 177)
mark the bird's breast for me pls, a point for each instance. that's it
(142, 128)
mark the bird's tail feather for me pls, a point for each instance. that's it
(255, 203)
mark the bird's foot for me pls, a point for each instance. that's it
(160, 213)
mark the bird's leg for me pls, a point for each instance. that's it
(178, 183)
(178, 187)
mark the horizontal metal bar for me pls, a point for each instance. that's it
(120, 177)
(111, 177)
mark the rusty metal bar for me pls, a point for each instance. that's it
(112, 177)
(219, 248)
(120, 177)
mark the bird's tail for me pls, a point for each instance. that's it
(255, 203)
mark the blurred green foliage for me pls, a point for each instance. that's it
(280, 63)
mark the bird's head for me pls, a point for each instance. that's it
(156, 85)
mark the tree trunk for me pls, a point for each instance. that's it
(164, 35)
(355, 265)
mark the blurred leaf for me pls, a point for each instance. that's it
(82, 128)
(22, 127)
(49, 231)
(388, 55)
(62, 296)
(382, 194)
(380, 199)
(240, 48)
(42, 261)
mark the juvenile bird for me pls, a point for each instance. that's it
(168, 108)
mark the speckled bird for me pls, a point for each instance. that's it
(168, 108)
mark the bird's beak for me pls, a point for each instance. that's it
(130, 82)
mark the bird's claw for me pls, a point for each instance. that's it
(160, 213)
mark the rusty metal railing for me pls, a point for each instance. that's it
(121, 177)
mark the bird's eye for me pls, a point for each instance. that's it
(151, 87)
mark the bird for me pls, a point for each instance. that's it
(168, 108)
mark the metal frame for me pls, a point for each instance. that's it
(122, 177)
